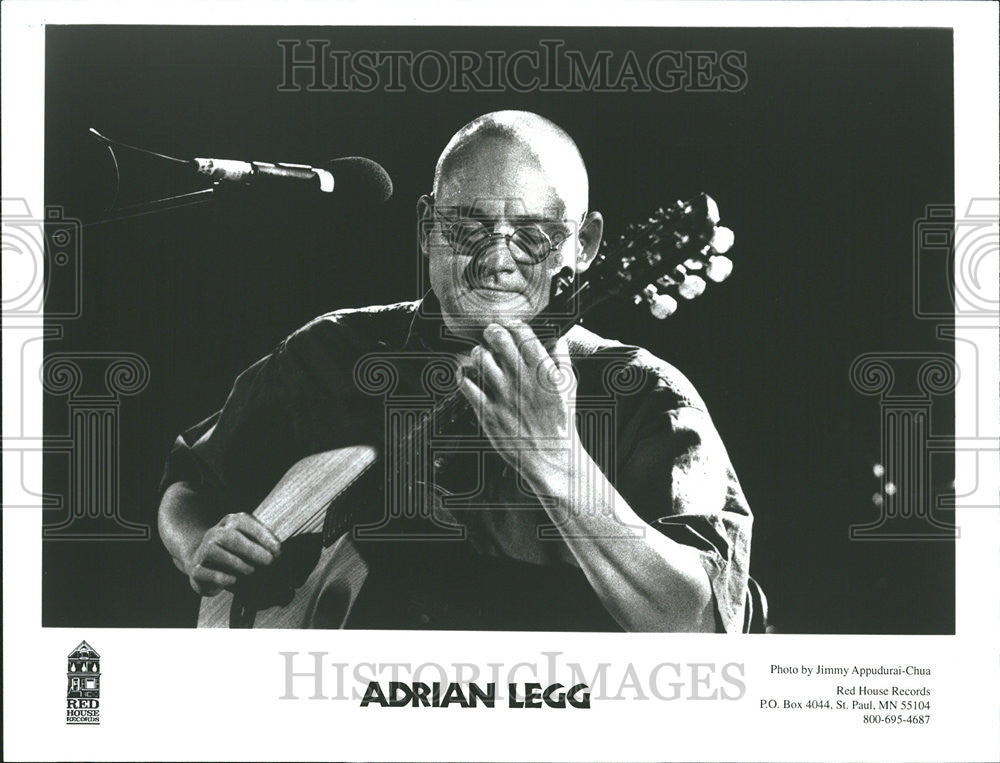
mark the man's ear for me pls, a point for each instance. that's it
(425, 221)
(591, 231)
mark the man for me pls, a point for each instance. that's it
(653, 536)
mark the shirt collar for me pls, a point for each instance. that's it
(429, 332)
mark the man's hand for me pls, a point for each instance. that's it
(524, 398)
(236, 546)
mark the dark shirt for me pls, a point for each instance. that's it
(351, 376)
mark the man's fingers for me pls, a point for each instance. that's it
(257, 531)
(554, 370)
(246, 549)
(500, 342)
(491, 378)
(236, 546)
(208, 581)
(475, 396)
(218, 558)
(528, 343)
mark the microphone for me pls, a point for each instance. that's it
(353, 176)
(348, 180)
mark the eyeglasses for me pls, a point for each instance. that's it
(528, 244)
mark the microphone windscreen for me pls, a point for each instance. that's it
(360, 177)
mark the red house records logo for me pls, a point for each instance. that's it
(83, 685)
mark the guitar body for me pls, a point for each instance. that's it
(321, 581)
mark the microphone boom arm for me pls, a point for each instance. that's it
(157, 205)
(353, 173)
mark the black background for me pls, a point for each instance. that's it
(821, 165)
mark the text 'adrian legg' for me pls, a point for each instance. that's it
(530, 695)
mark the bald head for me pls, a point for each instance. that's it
(496, 153)
(521, 178)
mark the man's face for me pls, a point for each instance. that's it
(497, 213)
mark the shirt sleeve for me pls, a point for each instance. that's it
(296, 401)
(678, 477)
(224, 453)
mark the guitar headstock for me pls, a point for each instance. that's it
(671, 257)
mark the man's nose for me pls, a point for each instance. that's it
(491, 259)
(494, 254)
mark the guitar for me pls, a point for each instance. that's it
(662, 262)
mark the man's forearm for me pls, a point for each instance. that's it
(184, 517)
(646, 581)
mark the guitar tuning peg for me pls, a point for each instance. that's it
(693, 263)
(674, 277)
(719, 268)
(662, 306)
(692, 286)
(711, 210)
(722, 240)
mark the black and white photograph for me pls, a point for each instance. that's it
(577, 339)
(707, 347)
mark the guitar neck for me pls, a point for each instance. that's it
(671, 251)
